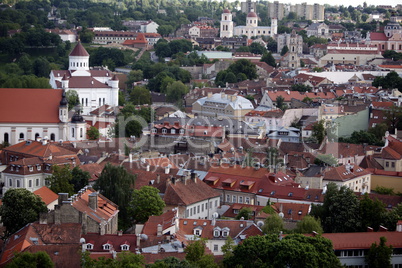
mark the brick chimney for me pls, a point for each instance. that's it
(62, 197)
(159, 230)
(93, 200)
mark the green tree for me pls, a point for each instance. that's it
(273, 224)
(393, 117)
(170, 262)
(294, 250)
(300, 88)
(116, 184)
(228, 247)
(20, 207)
(245, 67)
(372, 212)
(140, 95)
(80, 178)
(31, 260)
(257, 48)
(93, 133)
(164, 30)
(284, 50)
(309, 225)
(319, 131)
(72, 98)
(268, 59)
(244, 213)
(195, 254)
(86, 36)
(60, 181)
(379, 256)
(280, 103)
(176, 91)
(340, 212)
(390, 81)
(384, 190)
(145, 202)
(134, 76)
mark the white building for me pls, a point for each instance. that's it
(251, 29)
(33, 113)
(95, 87)
(222, 105)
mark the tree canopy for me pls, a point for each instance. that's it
(290, 251)
(31, 260)
(60, 181)
(145, 202)
(379, 256)
(20, 207)
(116, 184)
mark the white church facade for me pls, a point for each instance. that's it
(95, 86)
(251, 29)
(38, 113)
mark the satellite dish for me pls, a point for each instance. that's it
(281, 215)
(86, 151)
(144, 237)
(260, 223)
(82, 240)
(215, 215)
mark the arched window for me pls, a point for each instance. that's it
(81, 133)
(36, 136)
(21, 135)
(72, 132)
(52, 137)
(6, 137)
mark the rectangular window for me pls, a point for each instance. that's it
(30, 183)
(216, 203)
(393, 164)
(234, 199)
(247, 200)
(227, 198)
(240, 199)
(194, 212)
(202, 208)
(37, 182)
(387, 164)
(198, 209)
(215, 247)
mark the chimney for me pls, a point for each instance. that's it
(44, 141)
(193, 177)
(399, 226)
(119, 233)
(148, 167)
(158, 178)
(167, 169)
(209, 94)
(93, 200)
(130, 158)
(159, 230)
(62, 197)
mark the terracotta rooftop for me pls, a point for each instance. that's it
(343, 173)
(47, 195)
(29, 105)
(35, 148)
(188, 192)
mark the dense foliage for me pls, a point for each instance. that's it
(20, 207)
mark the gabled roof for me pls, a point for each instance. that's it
(35, 148)
(188, 192)
(29, 105)
(47, 195)
(35, 234)
(166, 220)
(114, 240)
(79, 50)
(344, 173)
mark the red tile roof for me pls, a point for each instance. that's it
(79, 50)
(106, 208)
(378, 37)
(29, 105)
(114, 240)
(35, 148)
(47, 195)
(188, 192)
(342, 241)
(342, 173)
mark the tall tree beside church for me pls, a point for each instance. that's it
(379, 256)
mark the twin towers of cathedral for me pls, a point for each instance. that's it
(251, 29)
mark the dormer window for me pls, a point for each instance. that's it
(225, 232)
(12, 168)
(30, 168)
(125, 247)
(90, 246)
(38, 167)
(217, 232)
(106, 247)
(154, 130)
